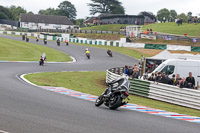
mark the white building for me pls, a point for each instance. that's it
(34, 22)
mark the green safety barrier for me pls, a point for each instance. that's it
(155, 46)
(70, 40)
(81, 41)
(139, 87)
(95, 42)
(74, 40)
(195, 49)
(111, 43)
(90, 42)
(105, 44)
(100, 42)
(54, 38)
(77, 41)
(13, 32)
(85, 41)
(117, 44)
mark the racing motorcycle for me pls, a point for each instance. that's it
(41, 62)
(109, 52)
(58, 42)
(87, 55)
(116, 93)
(45, 41)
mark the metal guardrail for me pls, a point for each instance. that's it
(162, 92)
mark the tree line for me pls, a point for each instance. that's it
(66, 8)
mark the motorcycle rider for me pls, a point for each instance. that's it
(58, 42)
(109, 51)
(87, 51)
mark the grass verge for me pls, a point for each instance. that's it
(100, 36)
(94, 83)
(12, 50)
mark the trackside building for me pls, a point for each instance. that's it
(34, 22)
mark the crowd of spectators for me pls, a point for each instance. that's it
(134, 71)
(176, 80)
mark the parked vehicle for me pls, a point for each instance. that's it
(115, 94)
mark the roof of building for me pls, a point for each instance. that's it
(47, 19)
(90, 19)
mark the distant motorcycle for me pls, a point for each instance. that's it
(23, 37)
(41, 62)
(58, 42)
(37, 40)
(109, 52)
(45, 41)
(27, 39)
(116, 93)
(88, 55)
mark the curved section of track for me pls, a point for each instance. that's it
(26, 108)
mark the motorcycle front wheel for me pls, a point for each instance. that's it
(99, 101)
(116, 101)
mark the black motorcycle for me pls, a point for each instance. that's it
(115, 94)
(109, 52)
(58, 42)
(41, 62)
(45, 41)
(23, 37)
(27, 39)
(37, 40)
(88, 55)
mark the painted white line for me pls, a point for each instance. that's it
(1, 131)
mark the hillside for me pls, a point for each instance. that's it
(170, 28)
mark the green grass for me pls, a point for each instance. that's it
(170, 28)
(12, 50)
(126, 51)
(100, 36)
(94, 83)
(109, 27)
(173, 28)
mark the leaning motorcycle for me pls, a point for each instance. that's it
(41, 62)
(88, 55)
(116, 93)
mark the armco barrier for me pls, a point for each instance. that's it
(162, 92)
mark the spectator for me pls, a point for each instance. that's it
(135, 74)
(172, 80)
(176, 82)
(191, 81)
(126, 70)
(167, 80)
(152, 77)
(130, 71)
(158, 77)
(184, 83)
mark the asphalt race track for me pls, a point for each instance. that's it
(28, 109)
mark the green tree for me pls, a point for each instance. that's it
(189, 14)
(183, 16)
(66, 8)
(106, 6)
(80, 22)
(16, 12)
(5, 13)
(163, 13)
(49, 11)
(173, 15)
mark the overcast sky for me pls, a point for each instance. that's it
(132, 7)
